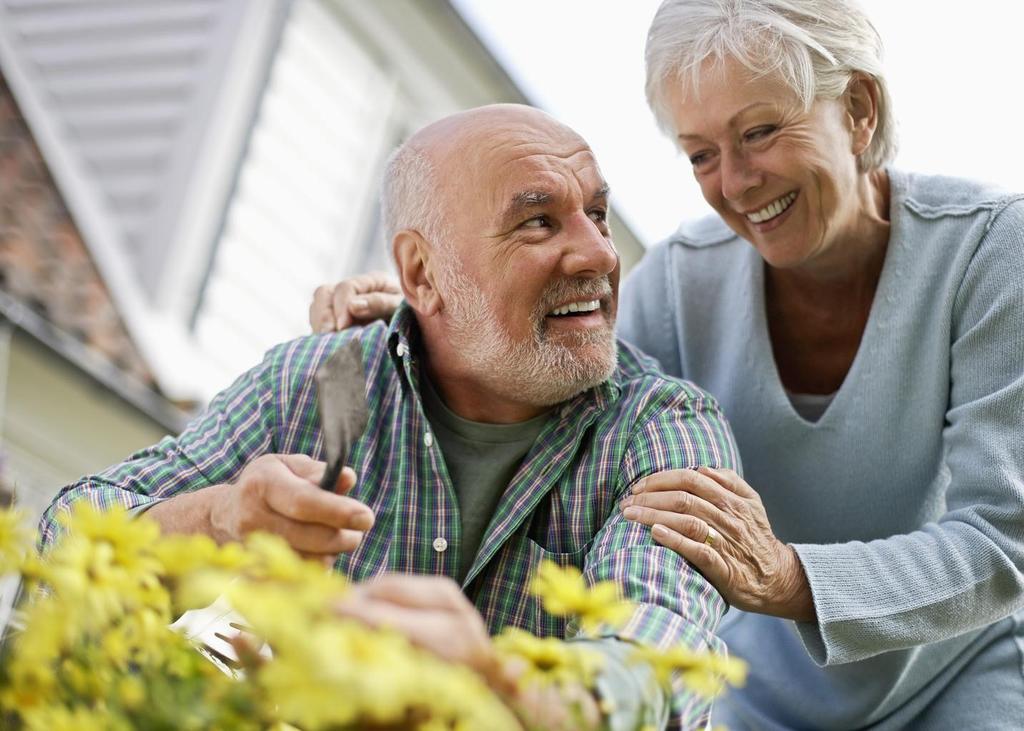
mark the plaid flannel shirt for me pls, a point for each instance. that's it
(561, 505)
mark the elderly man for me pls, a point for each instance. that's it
(505, 424)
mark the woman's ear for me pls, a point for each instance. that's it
(861, 103)
(415, 272)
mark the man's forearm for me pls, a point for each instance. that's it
(191, 512)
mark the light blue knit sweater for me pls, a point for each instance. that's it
(905, 501)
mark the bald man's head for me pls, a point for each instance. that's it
(442, 162)
(498, 218)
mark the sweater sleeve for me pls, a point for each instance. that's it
(646, 309)
(964, 570)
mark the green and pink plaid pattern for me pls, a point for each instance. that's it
(561, 505)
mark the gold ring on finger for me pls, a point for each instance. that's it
(712, 536)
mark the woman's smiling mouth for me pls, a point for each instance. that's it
(776, 208)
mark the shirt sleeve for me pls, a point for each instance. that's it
(237, 426)
(964, 570)
(674, 604)
(632, 696)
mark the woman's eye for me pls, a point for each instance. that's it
(700, 159)
(759, 133)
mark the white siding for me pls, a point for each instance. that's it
(221, 158)
(304, 202)
(125, 88)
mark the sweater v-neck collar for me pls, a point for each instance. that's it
(885, 303)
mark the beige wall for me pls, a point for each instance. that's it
(58, 423)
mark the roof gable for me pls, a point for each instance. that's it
(123, 90)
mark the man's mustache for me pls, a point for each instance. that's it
(566, 290)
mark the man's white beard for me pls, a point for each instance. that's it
(537, 372)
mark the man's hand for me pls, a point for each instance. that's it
(276, 493)
(434, 614)
(280, 493)
(356, 301)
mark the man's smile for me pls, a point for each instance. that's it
(576, 307)
(581, 314)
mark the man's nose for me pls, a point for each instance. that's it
(589, 251)
(738, 176)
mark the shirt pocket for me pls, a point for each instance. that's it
(504, 597)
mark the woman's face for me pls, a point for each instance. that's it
(783, 178)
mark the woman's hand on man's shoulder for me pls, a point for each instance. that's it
(358, 300)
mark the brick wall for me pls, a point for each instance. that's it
(43, 261)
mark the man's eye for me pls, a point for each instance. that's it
(759, 133)
(536, 222)
(599, 215)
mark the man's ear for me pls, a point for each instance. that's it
(416, 272)
(861, 102)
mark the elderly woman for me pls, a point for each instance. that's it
(863, 329)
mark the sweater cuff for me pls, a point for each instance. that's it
(851, 615)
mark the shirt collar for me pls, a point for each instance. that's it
(404, 343)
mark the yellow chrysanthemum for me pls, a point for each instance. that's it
(130, 538)
(182, 554)
(58, 718)
(549, 660)
(97, 638)
(14, 540)
(705, 673)
(564, 593)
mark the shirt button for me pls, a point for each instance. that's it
(440, 544)
(400, 350)
(428, 439)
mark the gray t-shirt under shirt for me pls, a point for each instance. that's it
(481, 459)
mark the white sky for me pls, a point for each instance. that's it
(954, 68)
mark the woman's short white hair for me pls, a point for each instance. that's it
(815, 45)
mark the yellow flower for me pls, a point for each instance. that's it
(549, 660)
(705, 673)
(182, 554)
(58, 718)
(131, 692)
(564, 592)
(14, 540)
(270, 557)
(130, 537)
(96, 652)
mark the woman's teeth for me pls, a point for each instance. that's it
(577, 307)
(773, 209)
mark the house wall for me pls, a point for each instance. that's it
(57, 422)
(254, 134)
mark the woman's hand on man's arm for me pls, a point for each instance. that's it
(358, 300)
(717, 522)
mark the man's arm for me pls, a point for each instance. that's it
(220, 476)
(682, 427)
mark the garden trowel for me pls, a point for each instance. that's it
(341, 387)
